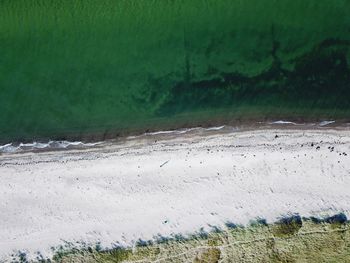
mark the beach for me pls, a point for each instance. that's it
(117, 193)
(174, 131)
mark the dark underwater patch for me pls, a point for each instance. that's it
(320, 80)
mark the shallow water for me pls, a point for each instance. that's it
(85, 67)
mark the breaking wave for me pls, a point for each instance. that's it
(62, 145)
(51, 145)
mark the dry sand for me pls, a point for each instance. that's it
(165, 184)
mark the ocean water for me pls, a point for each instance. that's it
(86, 67)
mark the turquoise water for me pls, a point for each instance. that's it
(105, 67)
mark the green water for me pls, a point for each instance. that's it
(112, 66)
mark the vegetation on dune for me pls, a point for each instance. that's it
(291, 239)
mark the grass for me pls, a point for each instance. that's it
(291, 239)
(210, 255)
(287, 226)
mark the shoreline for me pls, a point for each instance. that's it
(73, 142)
(246, 118)
(136, 189)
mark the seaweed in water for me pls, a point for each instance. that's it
(320, 79)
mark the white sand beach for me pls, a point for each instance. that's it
(164, 184)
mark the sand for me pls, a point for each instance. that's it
(169, 183)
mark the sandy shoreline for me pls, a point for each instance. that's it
(182, 122)
(139, 188)
(90, 141)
